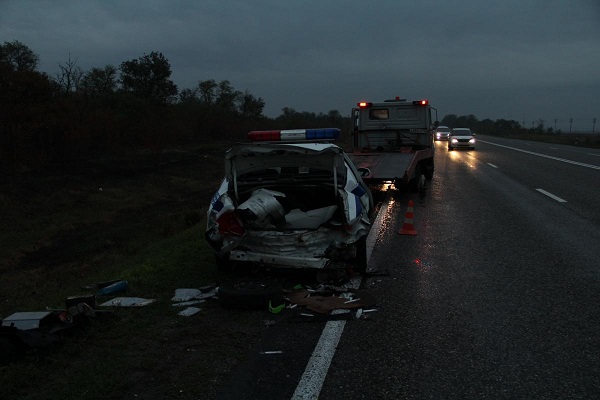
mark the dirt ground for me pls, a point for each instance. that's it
(179, 358)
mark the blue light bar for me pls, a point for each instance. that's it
(326, 133)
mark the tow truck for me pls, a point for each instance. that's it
(393, 142)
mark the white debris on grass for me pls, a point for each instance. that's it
(186, 294)
(188, 312)
(188, 303)
(193, 294)
(128, 302)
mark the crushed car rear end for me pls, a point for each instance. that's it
(291, 205)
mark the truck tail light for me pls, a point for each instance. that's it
(421, 102)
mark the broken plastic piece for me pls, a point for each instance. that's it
(127, 302)
(28, 320)
(117, 287)
(188, 312)
(186, 294)
(188, 303)
(193, 294)
(74, 301)
(276, 310)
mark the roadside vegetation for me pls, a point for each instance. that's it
(130, 219)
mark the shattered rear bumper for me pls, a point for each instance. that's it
(278, 260)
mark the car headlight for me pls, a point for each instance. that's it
(454, 140)
(472, 140)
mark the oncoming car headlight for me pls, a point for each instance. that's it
(472, 140)
(454, 140)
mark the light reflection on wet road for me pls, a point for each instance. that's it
(496, 297)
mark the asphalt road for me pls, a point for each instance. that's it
(498, 295)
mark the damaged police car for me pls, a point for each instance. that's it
(290, 199)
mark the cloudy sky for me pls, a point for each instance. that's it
(515, 59)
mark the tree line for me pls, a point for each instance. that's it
(78, 114)
(486, 126)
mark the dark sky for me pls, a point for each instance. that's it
(515, 59)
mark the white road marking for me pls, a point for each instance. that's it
(551, 196)
(592, 154)
(314, 375)
(545, 156)
(492, 165)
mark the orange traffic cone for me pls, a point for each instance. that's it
(408, 228)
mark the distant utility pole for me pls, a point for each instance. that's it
(593, 125)
(570, 124)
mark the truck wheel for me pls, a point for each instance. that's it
(361, 261)
(428, 172)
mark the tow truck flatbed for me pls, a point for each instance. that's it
(383, 167)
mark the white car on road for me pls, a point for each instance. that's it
(461, 138)
(441, 133)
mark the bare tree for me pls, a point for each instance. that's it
(69, 76)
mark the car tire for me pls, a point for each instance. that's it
(450, 148)
(250, 294)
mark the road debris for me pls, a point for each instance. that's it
(114, 288)
(128, 302)
(188, 312)
(187, 294)
(325, 300)
(188, 303)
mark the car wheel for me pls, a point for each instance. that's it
(450, 148)
(250, 294)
